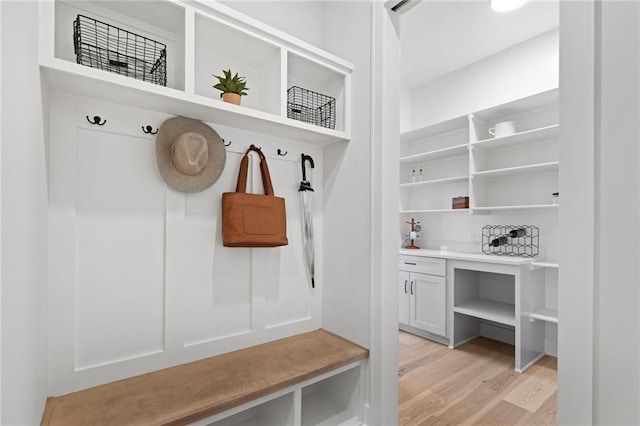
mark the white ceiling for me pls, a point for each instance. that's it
(440, 36)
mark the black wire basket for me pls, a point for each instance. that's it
(106, 47)
(311, 107)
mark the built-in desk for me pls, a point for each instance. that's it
(492, 296)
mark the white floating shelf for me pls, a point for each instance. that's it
(435, 182)
(448, 126)
(545, 265)
(546, 314)
(501, 112)
(434, 211)
(510, 171)
(522, 207)
(503, 313)
(80, 80)
(450, 152)
(529, 136)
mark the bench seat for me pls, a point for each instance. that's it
(196, 390)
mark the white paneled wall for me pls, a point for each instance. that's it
(139, 279)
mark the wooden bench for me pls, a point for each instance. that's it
(198, 390)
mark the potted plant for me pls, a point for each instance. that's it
(232, 87)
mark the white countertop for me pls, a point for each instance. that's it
(473, 257)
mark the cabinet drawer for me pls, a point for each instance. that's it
(423, 265)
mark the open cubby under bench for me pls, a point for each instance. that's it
(288, 368)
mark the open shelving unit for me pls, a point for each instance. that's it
(270, 60)
(498, 167)
(434, 167)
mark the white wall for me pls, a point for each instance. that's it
(617, 228)
(301, 19)
(599, 359)
(347, 220)
(522, 70)
(24, 220)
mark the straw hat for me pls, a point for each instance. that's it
(190, 154)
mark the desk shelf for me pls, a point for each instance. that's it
(503, 313)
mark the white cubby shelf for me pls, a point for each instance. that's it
(202, 40)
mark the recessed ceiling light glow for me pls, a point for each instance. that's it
(506, 5)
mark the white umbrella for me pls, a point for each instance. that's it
(307, 218)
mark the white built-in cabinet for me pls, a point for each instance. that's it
(459, 157)
(139, 279)
(423, 294)
(202, 39)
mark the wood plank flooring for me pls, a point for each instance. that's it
(474, 384)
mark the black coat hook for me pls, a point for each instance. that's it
(224, 143)
(96, 120)
(282, 154)
(306, 158)
(149, 130)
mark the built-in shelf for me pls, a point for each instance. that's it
(80, 80)
(434, 211)
(274, 62)
(526, 137)
(546, 314)
(519, 207)
(510, 171)
(436, 154)
(550, 265)
(519, 107)
(440, 128)
(491, 310)
(434, 181)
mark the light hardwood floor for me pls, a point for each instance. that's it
(474, 384)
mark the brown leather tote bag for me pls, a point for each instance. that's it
(253, 220)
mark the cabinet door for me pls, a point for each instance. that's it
(403, 298)
(428, 303)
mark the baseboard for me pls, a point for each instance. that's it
(436, 338)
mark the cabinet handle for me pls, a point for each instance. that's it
(410, 263)
(405, 286)
(412, 286)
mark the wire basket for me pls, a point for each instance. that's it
(511, 240)
(311, 107)
(103, 46)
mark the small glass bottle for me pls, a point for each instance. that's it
(413, 175)
(555, 198)
(420, 176)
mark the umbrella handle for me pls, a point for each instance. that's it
(304, 169)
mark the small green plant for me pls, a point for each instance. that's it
(231, 84)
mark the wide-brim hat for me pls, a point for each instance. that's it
(190, 154)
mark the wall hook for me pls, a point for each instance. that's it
(282, 154)
(96, 120)
(224, 143)
(149, 130)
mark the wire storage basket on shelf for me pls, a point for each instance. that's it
(311, 107)
(106, 47)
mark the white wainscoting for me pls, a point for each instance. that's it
(138, 277)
